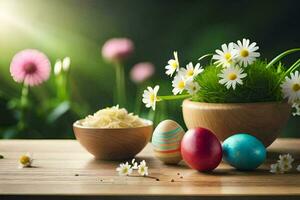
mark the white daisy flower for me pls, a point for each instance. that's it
(285, 167)
(179, 84)
(291, 87)
(25, 160)
(173, 65)
(232, 76)
(57, 67)
(296, 106)
(192, 87)
(190, 71)
(143, 169)
(66, 63)
(124, 169)
(150, 97)
(246, 52)
(276, 169)
(134, 164)
(298, 168)
(226, 56)
(286, 159)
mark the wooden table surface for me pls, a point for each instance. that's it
(62, 168)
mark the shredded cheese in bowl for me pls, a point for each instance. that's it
(113, 117)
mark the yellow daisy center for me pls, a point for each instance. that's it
(24, 159)
(227, 56)
(232, 76)
(190, 73)
(244, 53)
(174, 64)
(125, 170)
(278, 168)
(152, 97)
(285, 165)
(296, 87)
(181, 85)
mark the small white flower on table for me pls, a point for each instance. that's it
(173, 65)
(285, 167)
(276, 169)
(134, 164)
(284, 164)
(286, 159)
(150, 97)
(143, 169)
(298, 168)
(25, 160)
(232, 76)
(124, 169)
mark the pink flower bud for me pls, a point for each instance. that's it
(141, 72)
(117, 49)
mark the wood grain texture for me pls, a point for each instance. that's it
(63, 167)
(113, 143)
(264, 120)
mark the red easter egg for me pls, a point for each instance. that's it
(201, 149)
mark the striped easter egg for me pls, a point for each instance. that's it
(166, 141)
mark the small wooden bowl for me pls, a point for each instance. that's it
(263, 120)
(114, 143)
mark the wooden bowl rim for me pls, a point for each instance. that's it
(148, 122)
(188, 101)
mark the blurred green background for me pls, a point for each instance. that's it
(78, 29)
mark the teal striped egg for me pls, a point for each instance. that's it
(166, 141)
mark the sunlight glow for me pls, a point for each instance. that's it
(9, 18)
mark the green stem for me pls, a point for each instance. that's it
(24, 96)
(167, 98)
(151, 115)
(23, 103)
(61, 84)
(138, 101)
(120, 85)
(204, 56)
(280, 56)
(292, 68)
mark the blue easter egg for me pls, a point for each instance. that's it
(244, 151)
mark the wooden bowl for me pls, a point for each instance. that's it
(114, 143)
(262, 120)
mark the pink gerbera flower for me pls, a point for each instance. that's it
(30, 67)
(141, 72)
(117, 49)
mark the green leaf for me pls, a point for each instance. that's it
(61, 109)
(204, 56)
(282, 55)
